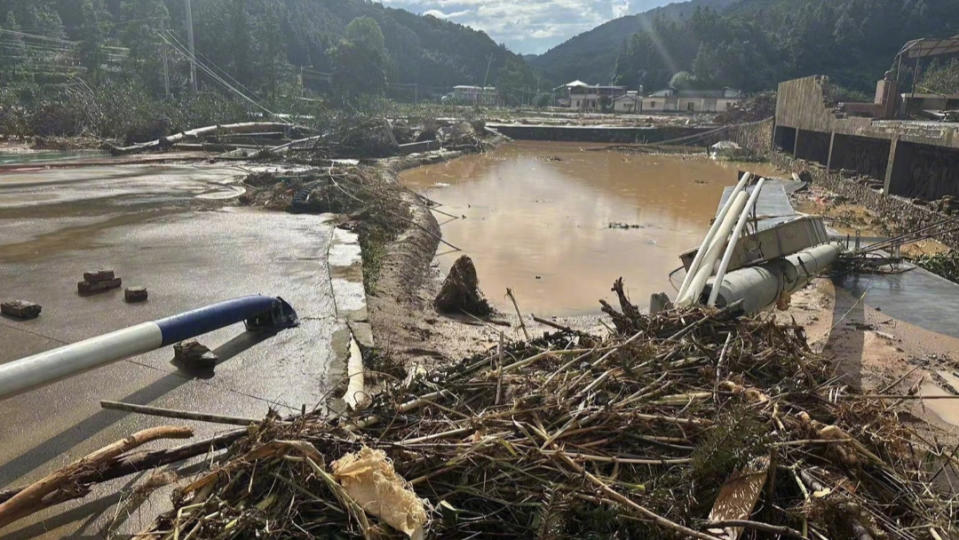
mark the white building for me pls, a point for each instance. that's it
(671, 100)
(630, 102)
(587, 97)
(475, 95)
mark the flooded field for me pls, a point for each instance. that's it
(545, 219)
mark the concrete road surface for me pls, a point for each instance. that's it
(156, 227)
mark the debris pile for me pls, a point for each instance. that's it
(460, 292)
(460, 136)
(688, 424)
(756, 108)
(945, 264)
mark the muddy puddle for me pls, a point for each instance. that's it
(558, 222)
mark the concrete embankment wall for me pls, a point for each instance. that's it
(859, 189)
(612, 134)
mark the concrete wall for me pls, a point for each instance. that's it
(862, 190)
(912, 159)
(859, 189)
(756, 136)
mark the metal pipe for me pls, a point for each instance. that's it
(760, 286)
(734, 239)
(695, 288)
(694, 266)
(50, 366)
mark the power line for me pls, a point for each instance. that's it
(203, 67)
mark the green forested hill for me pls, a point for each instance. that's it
(591, 56)
(752, 44)
(256, 41)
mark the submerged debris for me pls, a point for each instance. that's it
(460, 291)
(642, 434)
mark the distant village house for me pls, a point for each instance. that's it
(475, 95)
(588, 97)
(688, 101)
(581, 96)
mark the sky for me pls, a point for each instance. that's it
(528, 26)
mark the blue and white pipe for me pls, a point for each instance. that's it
(48, 367)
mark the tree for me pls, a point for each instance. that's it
(941, 78)
(13, 53)
(683, 80)
(359, 61)
(142, 20)
(515, 80)
(93, 30)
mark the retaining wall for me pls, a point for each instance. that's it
(902, 213)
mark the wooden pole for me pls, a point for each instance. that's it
(173, 413)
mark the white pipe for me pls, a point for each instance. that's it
(707, 241)
(712, 253)
(56, 364)
(734, 240)
(62, 362)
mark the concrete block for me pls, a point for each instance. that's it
(193, 354)
(135, 294)
(96, 276)
(20, 309)
(91, 287)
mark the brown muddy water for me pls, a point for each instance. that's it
(536, 217)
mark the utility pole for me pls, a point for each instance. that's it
(190, 42)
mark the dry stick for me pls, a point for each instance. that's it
(944, 463)
(499, 370)
(142, 461)
(509, 292)
(765, 527)
(643, 511)
(180, 414)
(30, 499)
(897, 396)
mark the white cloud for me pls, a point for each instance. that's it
(440, 15)
(527, 25)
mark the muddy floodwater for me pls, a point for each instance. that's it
(545, 219)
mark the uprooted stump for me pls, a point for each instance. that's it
(461, 292)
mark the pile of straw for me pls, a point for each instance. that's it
(634, 435)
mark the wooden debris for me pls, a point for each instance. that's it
(60, 485)
(630, 435)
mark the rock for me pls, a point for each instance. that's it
(20, 309)
(135, 294)
(460, 291)
(91, 287)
